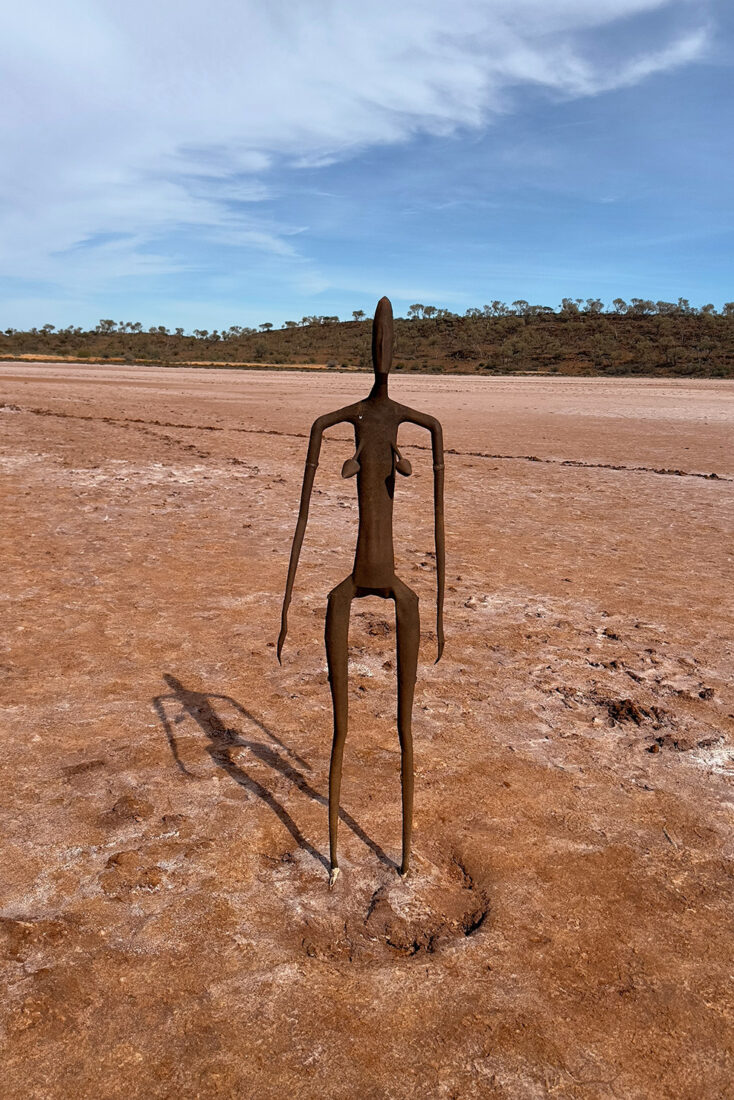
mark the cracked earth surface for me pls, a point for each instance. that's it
(165, 923)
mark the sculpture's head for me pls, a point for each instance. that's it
(382, 338)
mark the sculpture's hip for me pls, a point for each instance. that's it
(374, 560)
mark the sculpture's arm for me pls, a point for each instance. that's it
(434, 427)
(312, 460)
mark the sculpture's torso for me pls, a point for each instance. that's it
(376, 424)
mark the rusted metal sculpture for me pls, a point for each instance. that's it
(376, 459)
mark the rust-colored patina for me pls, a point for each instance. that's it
(376, 460)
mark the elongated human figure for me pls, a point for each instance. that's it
(376, 459)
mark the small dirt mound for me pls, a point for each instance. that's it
(421, 915)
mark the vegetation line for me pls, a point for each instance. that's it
(579, 337)
(668, 472)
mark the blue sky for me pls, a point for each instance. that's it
(204, 165)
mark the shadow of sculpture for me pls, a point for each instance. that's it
(223, 741)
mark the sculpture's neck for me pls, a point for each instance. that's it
(379, 389)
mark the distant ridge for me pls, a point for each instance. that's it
(646, 338)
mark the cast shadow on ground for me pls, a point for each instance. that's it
(224, 740)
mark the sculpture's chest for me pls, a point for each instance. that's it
(376, 455)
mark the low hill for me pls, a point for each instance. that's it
(647, 339)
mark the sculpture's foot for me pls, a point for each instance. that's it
(333, 876)
(404, 872)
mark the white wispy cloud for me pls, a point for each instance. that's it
(126, 124)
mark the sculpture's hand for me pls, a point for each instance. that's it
(440, 642)
(281, 636)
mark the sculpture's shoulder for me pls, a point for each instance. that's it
(414, 416)
(338, 416)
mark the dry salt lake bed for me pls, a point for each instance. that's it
(166, 928)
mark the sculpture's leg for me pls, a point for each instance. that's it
(337, 637)
(408, 638)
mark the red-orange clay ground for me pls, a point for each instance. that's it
(167, 930)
